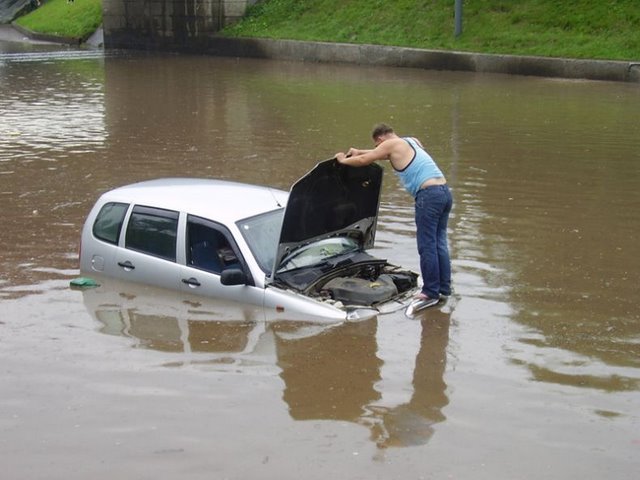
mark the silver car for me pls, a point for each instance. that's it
(296, 255)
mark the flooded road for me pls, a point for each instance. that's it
(532, 369)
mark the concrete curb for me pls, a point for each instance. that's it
(43, 37)
(619, 71)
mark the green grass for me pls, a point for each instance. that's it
(57, 17)
(603, 29)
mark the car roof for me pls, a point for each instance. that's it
(219, 200)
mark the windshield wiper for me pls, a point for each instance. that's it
(342, 263)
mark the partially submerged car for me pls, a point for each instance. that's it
(301, 254)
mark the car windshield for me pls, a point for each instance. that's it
(318, 252)
(262, 233)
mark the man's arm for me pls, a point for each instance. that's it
(355, 151)
(360, 158)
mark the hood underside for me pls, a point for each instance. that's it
(331, 200)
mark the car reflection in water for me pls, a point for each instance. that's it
(172, 322)
(363, 372)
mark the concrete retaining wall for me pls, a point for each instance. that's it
(621, 71)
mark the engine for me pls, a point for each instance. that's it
(369, 285)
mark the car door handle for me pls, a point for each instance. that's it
(192, 282)
(128, 266)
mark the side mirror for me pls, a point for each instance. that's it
(233, 276)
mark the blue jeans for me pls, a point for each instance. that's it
(433, 205)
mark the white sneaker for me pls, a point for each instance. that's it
(420, 302)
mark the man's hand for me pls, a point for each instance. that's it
(352, 152)
(359, 158)
(341, 157)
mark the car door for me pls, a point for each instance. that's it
(150, 245)
(210, 249)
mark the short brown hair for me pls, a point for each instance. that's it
(380, 130)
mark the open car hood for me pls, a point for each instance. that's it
(331, 200)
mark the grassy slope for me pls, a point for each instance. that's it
(608, 29)
(57, 17)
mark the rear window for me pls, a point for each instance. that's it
(108, 223)
(153, 231)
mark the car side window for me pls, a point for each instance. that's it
(153, 231)
(208, 248)
(108, 223)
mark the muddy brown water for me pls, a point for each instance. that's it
(532, 369)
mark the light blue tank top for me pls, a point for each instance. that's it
(420, 169)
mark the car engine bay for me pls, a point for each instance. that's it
(362, 280)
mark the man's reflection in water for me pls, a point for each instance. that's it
(411, 422)
(384, 374)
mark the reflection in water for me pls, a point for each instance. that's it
(169, 334)
(411, 421)
(57, 106)
(361, 372)
(331, 375)
(365, 374)
(610, 383)
(170, 322)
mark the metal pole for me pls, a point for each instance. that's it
(458, 15)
